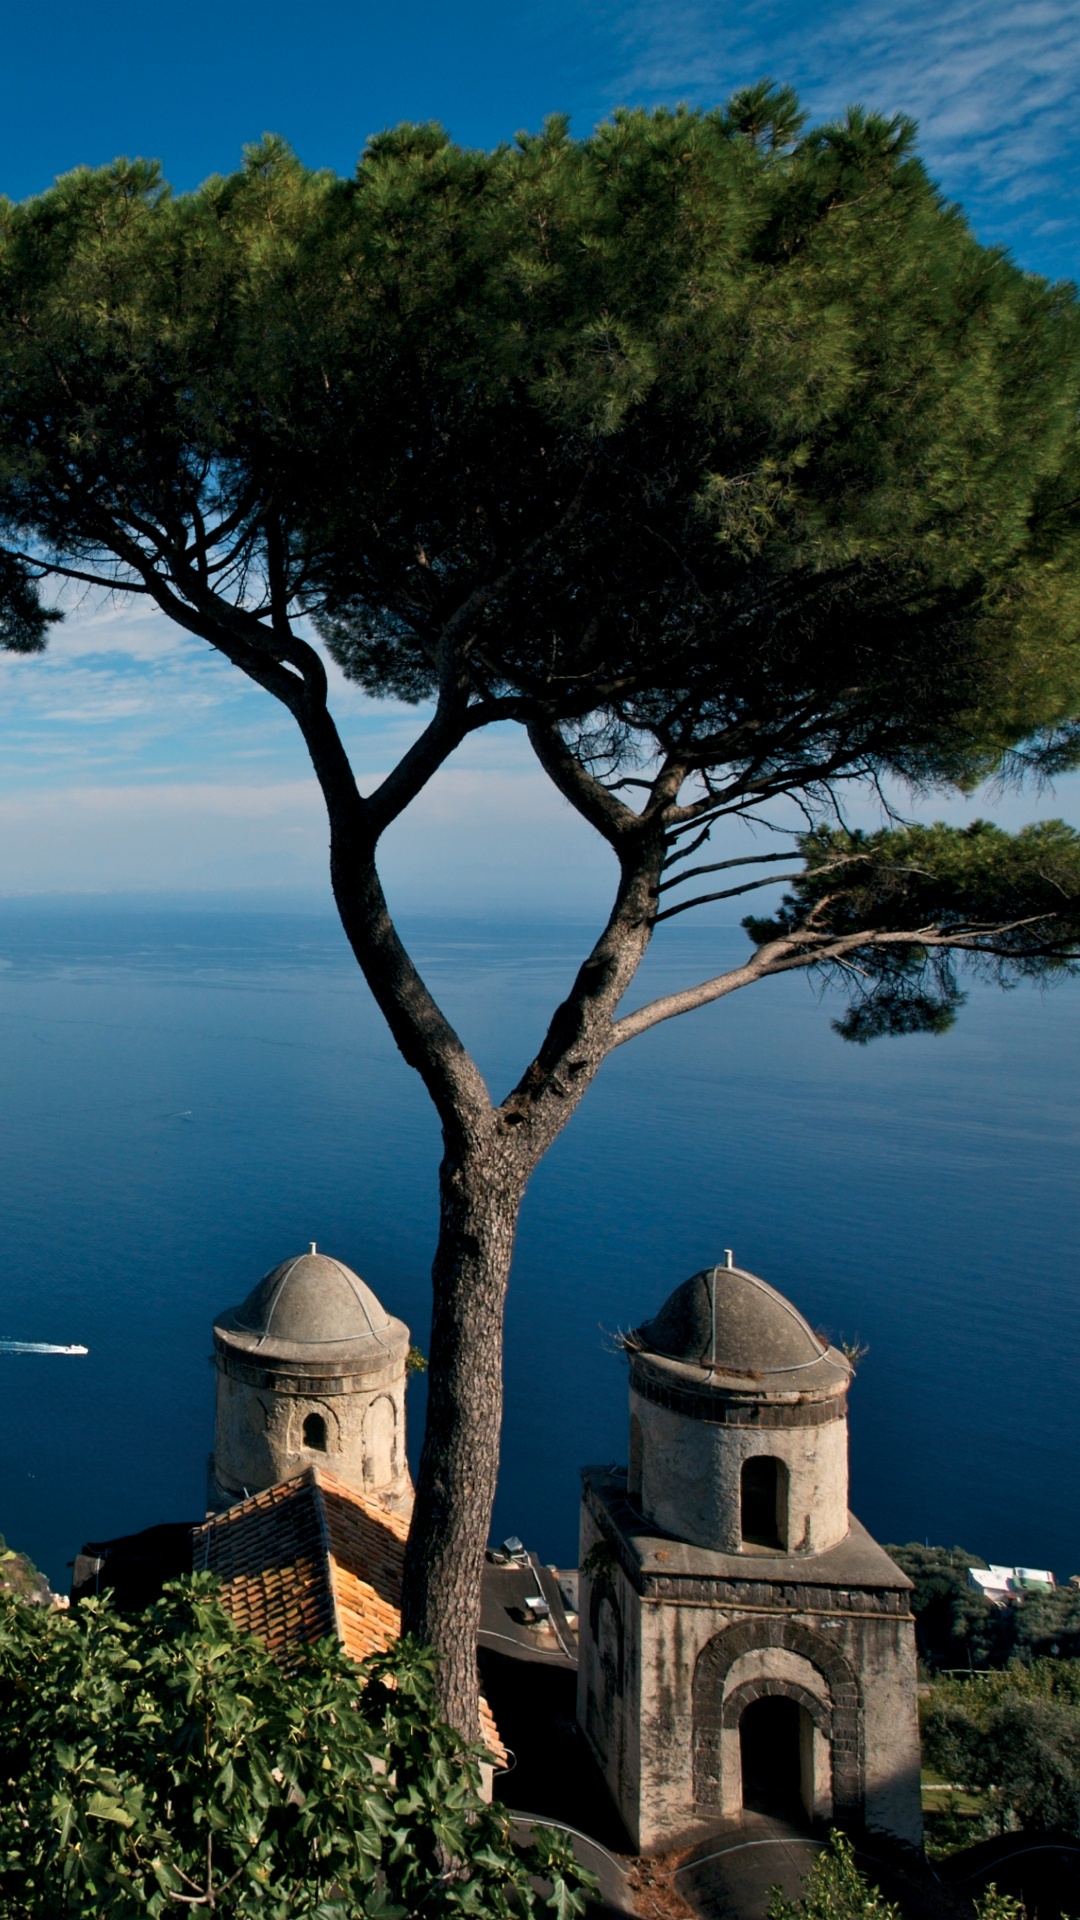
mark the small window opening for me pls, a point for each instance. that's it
(763, 1490)
(315, 1432)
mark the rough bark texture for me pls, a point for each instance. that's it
(489, 1154)
(485, 1169)
(479, 1201)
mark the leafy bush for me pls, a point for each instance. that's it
(1013, 1737)
(998, 1906)
(164, 1763)
(835, 1890)
(954, 1625)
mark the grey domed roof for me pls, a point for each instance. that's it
(729, 1321)
(312, 1301)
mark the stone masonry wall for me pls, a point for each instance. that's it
(259, 1431)
(666, 1672)
(690, 1476)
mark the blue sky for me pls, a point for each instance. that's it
(130, 759)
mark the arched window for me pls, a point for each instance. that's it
(315, 1432)
(764, 1502)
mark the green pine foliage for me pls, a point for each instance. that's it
(711, 441)
(987, 899)
(164, 1763)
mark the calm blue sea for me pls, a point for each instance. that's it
(188, 1095)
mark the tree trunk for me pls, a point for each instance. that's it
(480, 1198)
(488, 1156)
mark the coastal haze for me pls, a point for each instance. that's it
(191, 1093)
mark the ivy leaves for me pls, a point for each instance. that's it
(166, 1764)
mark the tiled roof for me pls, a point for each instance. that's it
(313, 1557)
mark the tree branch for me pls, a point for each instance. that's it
(46, 567)
(587, 795)
(451, 723)
(754, 787)
(806, 948)
(728, 893)
(289, 668)
(721, 866)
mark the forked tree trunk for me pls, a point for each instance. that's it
(489, 1154)
(480, 1198)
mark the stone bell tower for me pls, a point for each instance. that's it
(311, 1371)
(745, 1644)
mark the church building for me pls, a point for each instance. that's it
(745, 1644)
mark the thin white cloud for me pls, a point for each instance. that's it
(993, 84)
(112, 628)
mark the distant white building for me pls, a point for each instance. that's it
(1004, 1585)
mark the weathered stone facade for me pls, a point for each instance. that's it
(311, 1371)
(706, 1590)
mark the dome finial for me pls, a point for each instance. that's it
(314, 1249)
(729, 1257)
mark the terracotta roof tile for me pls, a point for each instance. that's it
(313, 1557)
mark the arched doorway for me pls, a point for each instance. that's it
(776, 1749)
(760, 1659)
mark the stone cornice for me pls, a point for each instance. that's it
(722, 1403)
(623, 1528)
(287, 1378)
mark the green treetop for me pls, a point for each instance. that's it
(714, 453)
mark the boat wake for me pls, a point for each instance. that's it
(37, 1346)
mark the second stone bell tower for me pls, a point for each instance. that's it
(746, 1647)
(311, 1371)
(772, 1473)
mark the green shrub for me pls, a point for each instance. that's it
(956, 1627)
(834, 1890)
(1013, 1737)
(164, 1764)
